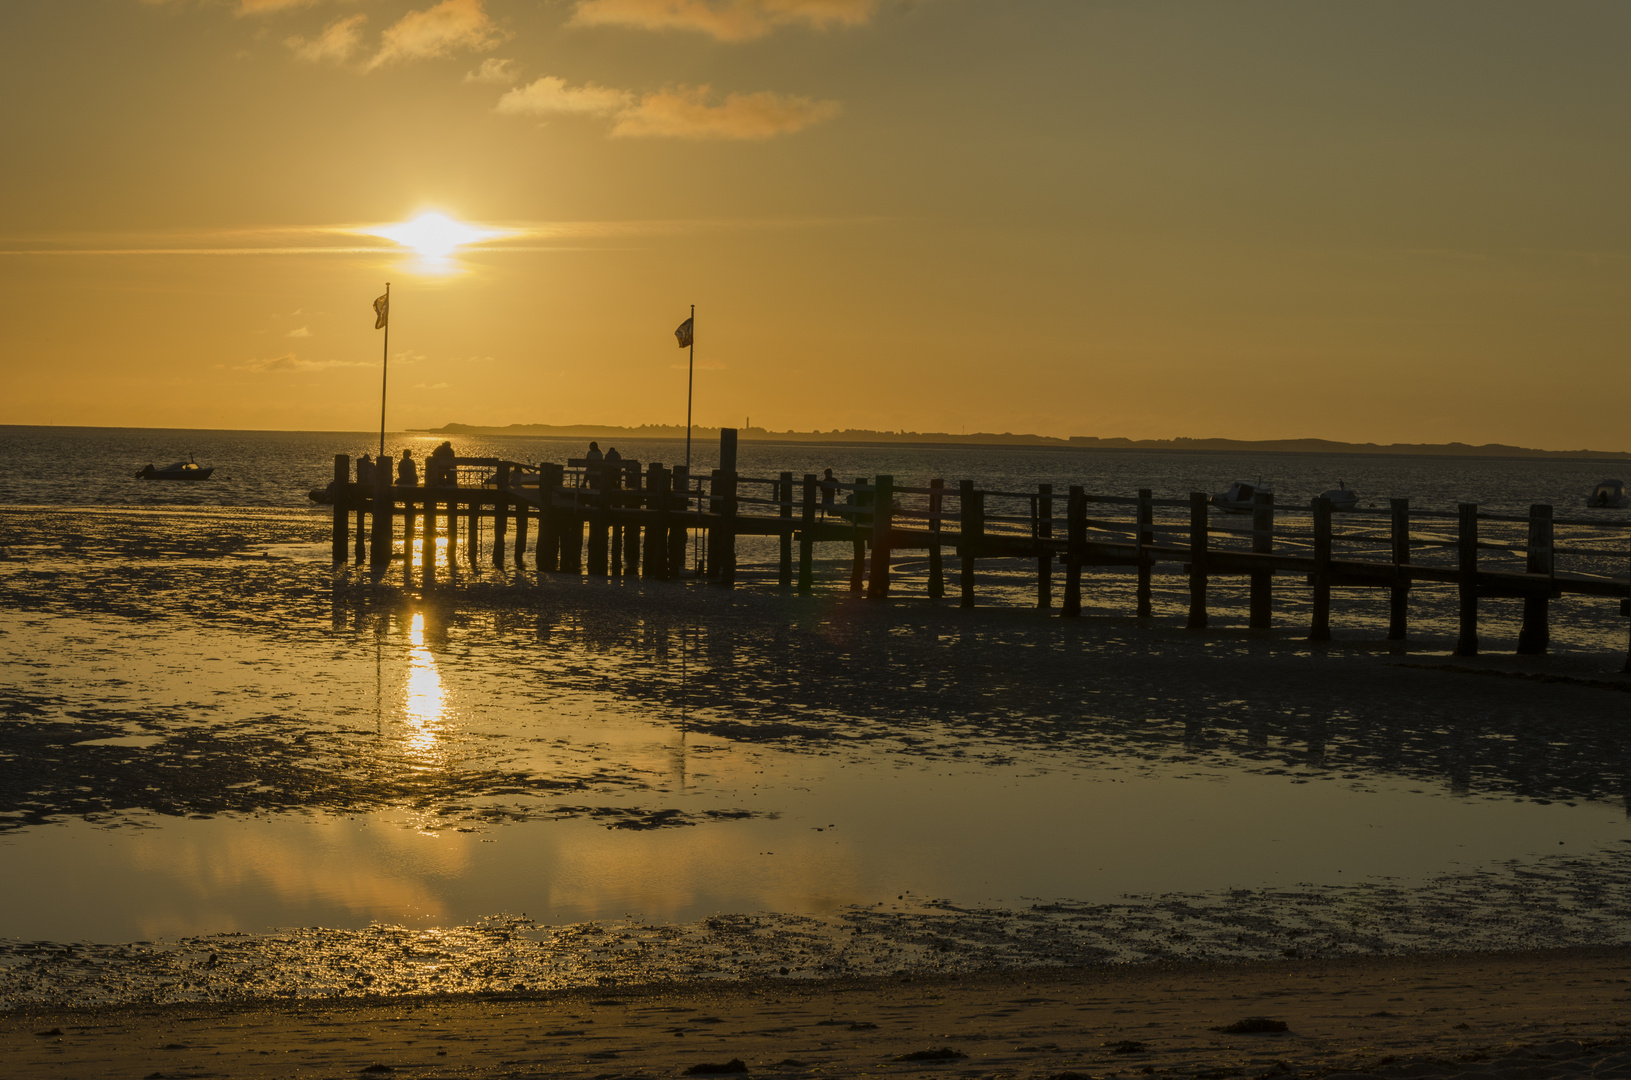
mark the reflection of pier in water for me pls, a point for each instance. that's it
(850, 677)
(644, 522)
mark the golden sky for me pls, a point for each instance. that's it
(1379, 220)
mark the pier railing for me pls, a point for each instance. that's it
(621, 518)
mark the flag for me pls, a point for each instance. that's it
(684, 334)
(382, 308)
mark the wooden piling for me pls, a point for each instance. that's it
(364, 494)
(716, 506)
(655, 562)
(427, 538)
(472, 536)
(571, 517)
(937, 499)
(679, 503)
(631, 531)
(1535, 636)
(1197, 560)
(1075, 550)
(548, 551)
(857, 567)
(1399, 592)
(1262, 601)
(971, 511)
(451, 494)
(599, 528)
(342, 516)
(1042, 530)
(501, 513)
(807, 536)
(384, 523)
(1466, 643)
(409, 495)
(522, 513)
(726, 527)
(883, 520)
(1319, 628)
(1145, 536)
(784, 495)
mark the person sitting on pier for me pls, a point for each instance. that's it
(365, 471)
(407, 472)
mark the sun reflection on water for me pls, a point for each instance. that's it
(422, 708)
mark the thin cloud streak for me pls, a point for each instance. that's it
(510, 236)
(684, 112)
(731, 20)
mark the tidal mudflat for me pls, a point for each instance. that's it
(228, 773)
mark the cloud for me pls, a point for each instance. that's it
(334, 45)
(681, 113)
(261, 7)
(300, 331)
(290, 362)
(685, 113)
(550, 95)
(493, 70)
(727, 20)
(447, 27)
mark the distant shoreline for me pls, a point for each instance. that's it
(866, 437)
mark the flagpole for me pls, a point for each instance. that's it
(384, 366)
(690, 380)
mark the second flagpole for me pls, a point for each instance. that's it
(690, 379)
(384, 370)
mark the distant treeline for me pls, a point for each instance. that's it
(1008, 438)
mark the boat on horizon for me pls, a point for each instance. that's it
(179, 470)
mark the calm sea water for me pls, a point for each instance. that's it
(207, 722)
(95, 467)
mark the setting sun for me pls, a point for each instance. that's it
(433, 235)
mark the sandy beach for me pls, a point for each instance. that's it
(1517, 1016)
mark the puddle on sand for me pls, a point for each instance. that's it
(827, 832)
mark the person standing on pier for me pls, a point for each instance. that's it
(829, 490)
(365, 472)
(407, 472)
(440, 471)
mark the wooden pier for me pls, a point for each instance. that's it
(622, 518)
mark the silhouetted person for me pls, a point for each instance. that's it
(829, 490)
(407, 473)
(440, 470)
(365, 471)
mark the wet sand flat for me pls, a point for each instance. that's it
(1517, 1016)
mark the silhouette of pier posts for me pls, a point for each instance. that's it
(613, 504)
(1536, 635)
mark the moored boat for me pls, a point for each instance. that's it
(1608, 494)
(1238, 499)
(179, 470)
(1340, 497)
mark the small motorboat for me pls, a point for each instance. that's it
(1238, 499)
(1340, 497)
(180, 470)
(1608, 495)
